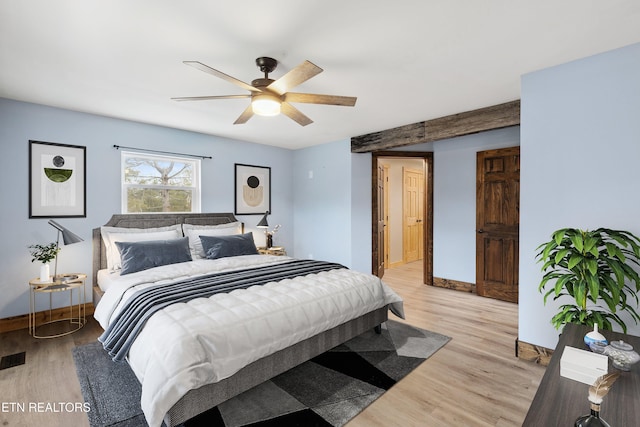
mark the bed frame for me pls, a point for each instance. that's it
(211, 395)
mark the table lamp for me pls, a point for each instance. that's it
(264, 224)
(68, 238)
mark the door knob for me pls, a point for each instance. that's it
(481, 231)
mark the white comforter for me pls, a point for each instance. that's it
(188, 345)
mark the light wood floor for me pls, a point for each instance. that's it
(475, 380)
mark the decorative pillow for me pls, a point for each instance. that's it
(193, 232)
(226, 246)
(112, 234)
(138, 256)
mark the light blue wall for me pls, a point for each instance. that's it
(20, 122)
(580, 148)
(360, 211)
(332, 209)
(322, 204)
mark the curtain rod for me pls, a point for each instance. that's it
(146, 150)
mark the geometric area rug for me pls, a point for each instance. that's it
(328, 390)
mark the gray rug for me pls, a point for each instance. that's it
(328, 390)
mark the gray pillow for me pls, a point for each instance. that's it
(226, 246)
(138, 256)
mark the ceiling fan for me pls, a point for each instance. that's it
(271, 97)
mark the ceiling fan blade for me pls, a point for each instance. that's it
(200, 66)
(296, 76)
(206, 98)
(313, 98)
(294, 114)
(245, 116)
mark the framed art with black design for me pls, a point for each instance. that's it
(57, 180)
(253, 189)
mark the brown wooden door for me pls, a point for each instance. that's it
(497, 223)
(412, 214)
(381, 222)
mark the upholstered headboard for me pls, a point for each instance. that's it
(151, 221)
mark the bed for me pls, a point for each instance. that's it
(277, 326)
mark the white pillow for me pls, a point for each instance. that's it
(111, 235)
(193, 232)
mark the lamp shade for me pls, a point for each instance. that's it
(68, 237)
(263, 222)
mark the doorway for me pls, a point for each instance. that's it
(415, 198)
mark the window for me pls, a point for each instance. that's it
(152, 183)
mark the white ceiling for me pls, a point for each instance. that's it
(406, 61)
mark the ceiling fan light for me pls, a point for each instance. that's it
(265, 104)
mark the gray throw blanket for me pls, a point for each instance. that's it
(121, 333)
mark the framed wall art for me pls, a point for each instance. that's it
(57, 180)
(253, 189)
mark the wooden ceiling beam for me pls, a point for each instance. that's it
(480, 120)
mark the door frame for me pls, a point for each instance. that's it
(387, 237)
(427, 256)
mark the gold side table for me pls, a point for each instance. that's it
(274, 250)
(61, 283)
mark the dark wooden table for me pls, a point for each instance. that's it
(560, 401)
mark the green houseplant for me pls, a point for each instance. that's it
(44, 253)
(595, 268)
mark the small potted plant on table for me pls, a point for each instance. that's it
(45, 254)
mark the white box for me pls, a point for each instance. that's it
(583, 366)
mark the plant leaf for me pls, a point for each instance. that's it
(561, 254)
(550, 246)
(558, 235)
(577, 241)
(574, 260)
(581, 295)
(611, 303)
(594, 288)
(592, 265)
(590, 243)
